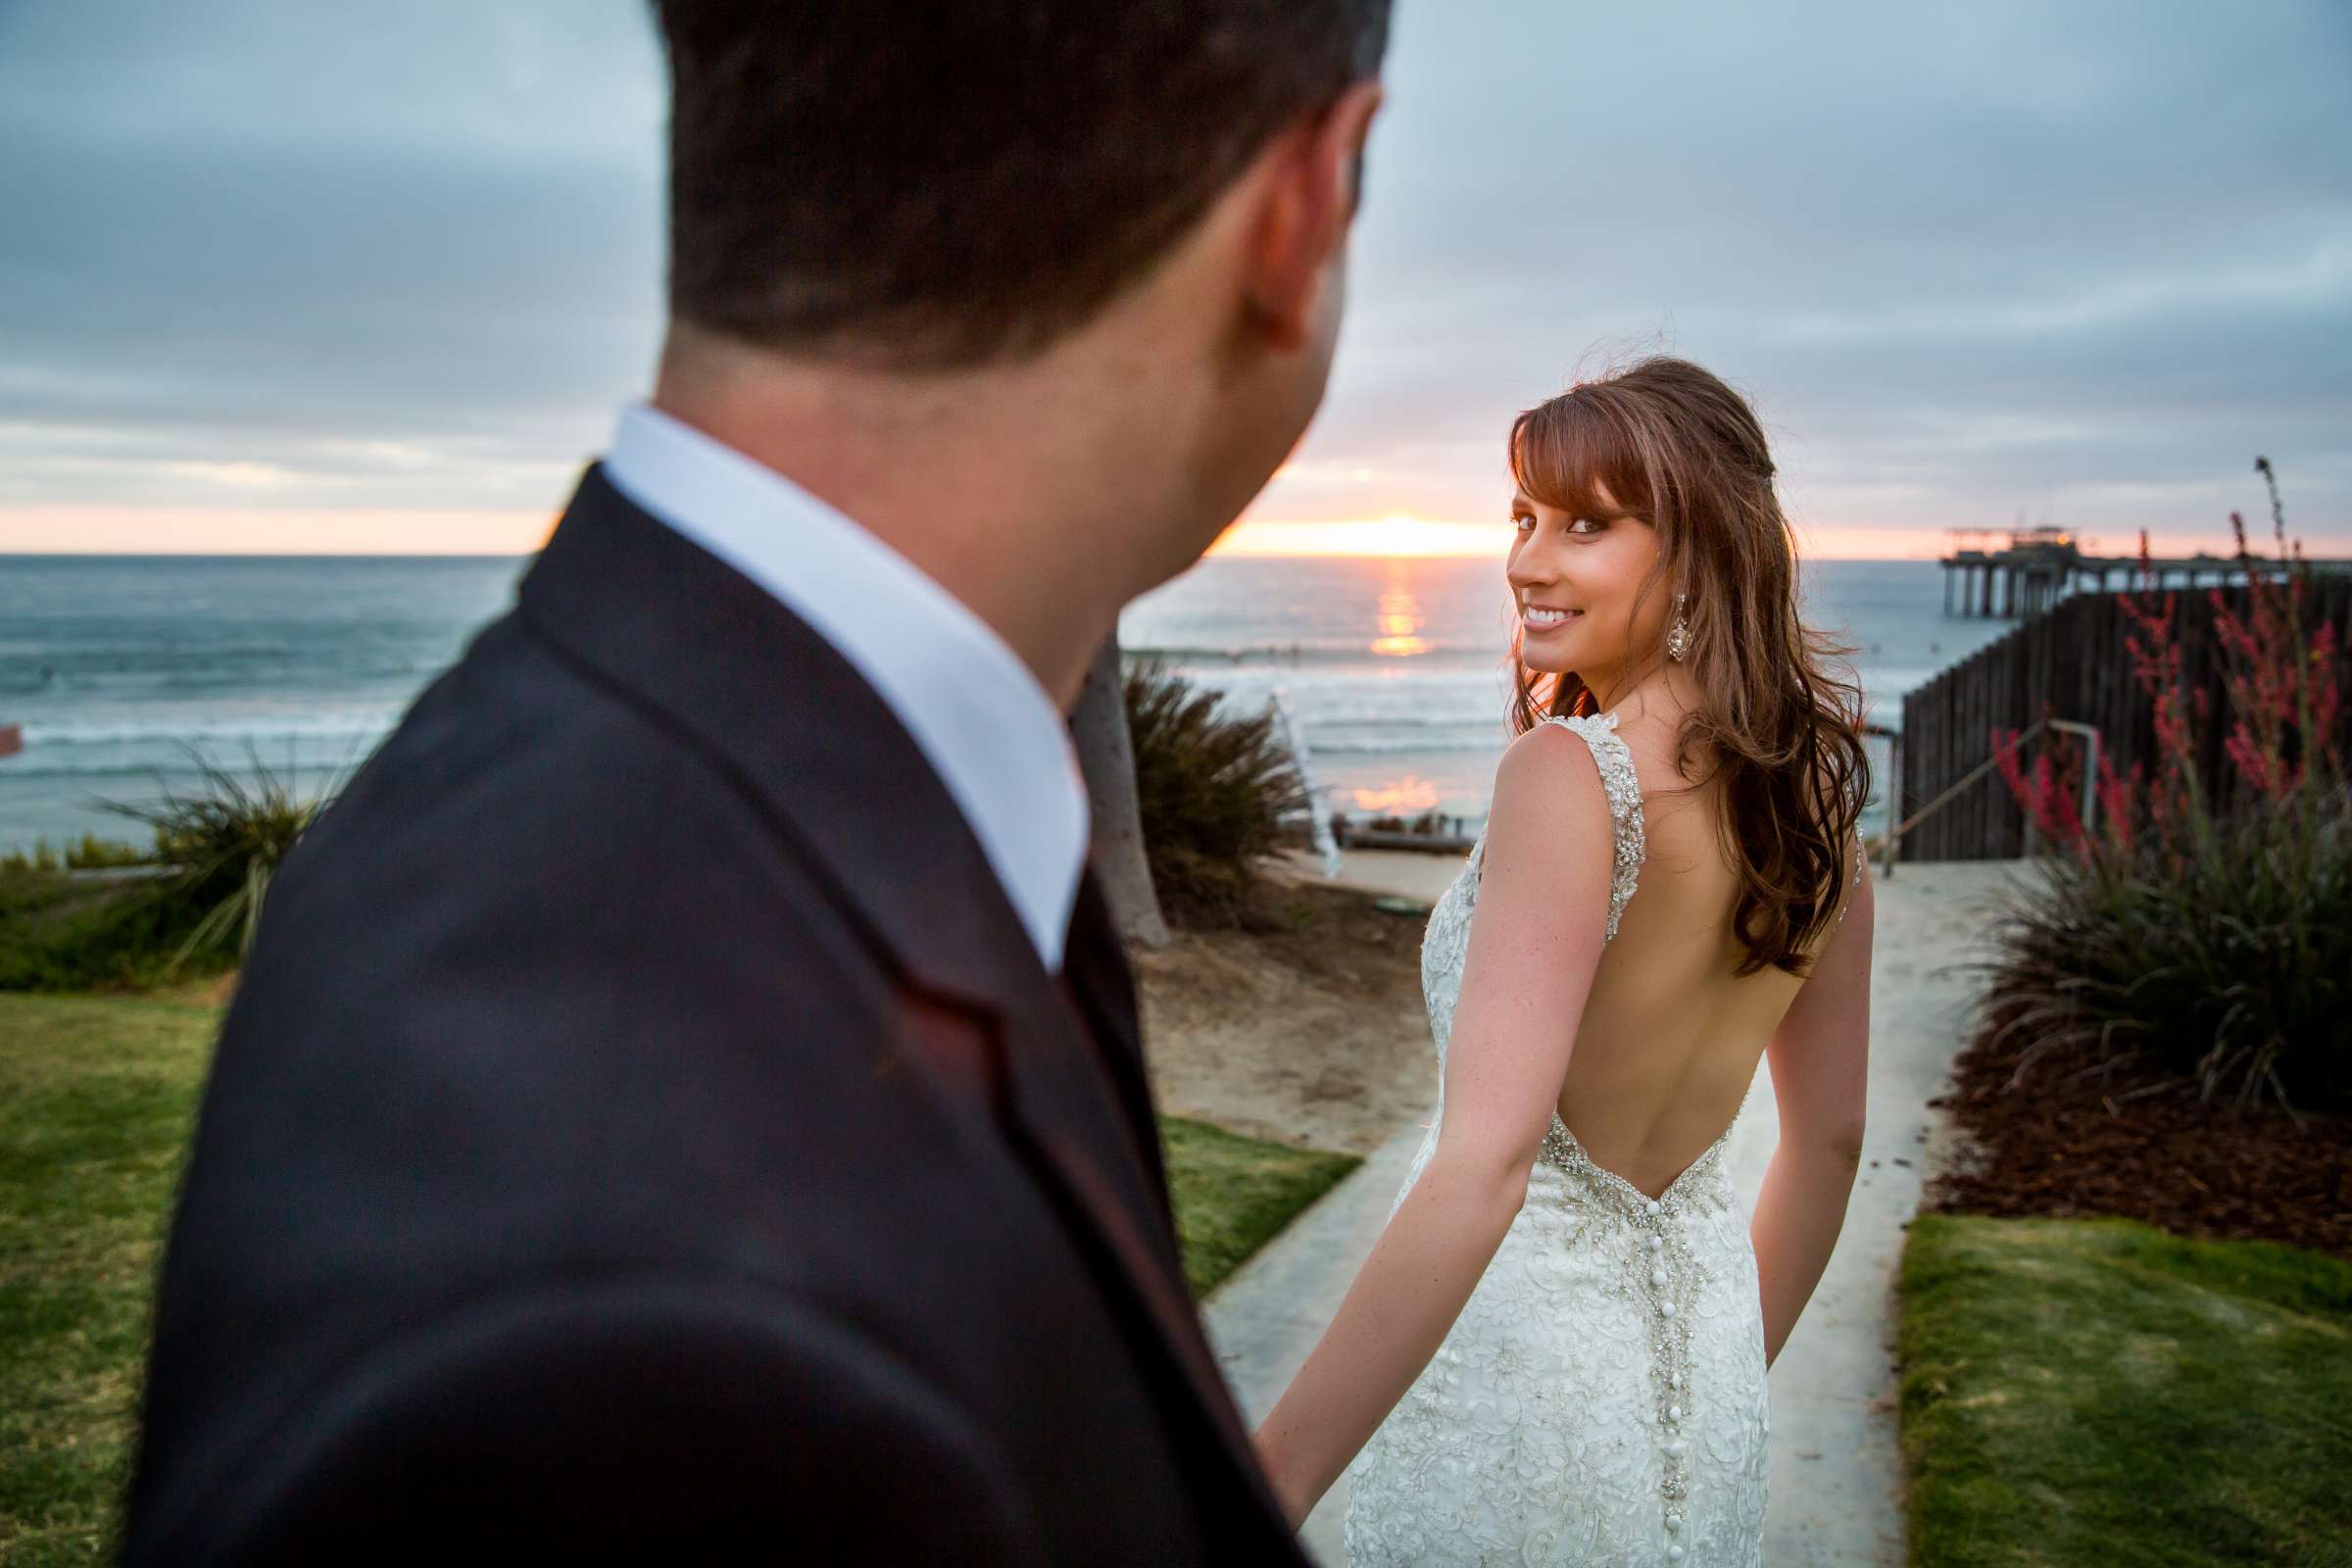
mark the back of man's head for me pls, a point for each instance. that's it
(929, 186)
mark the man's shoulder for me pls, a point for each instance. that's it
(521, 809)
(518, 731)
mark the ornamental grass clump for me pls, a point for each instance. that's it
(216, 853)
(106, 916)
(1217, 794)
(2170, 942)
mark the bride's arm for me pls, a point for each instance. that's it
(1535, 939)
(1820, 1059)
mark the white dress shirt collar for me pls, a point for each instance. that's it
(988, 728)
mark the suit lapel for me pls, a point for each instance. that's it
(1102, 987)
(653, 614)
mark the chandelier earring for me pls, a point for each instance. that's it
(1678, 637)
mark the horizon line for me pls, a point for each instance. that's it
(526, 554)
(95, 533)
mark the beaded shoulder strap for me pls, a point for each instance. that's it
(1844, 908)
(1623, 787)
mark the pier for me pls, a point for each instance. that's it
(2033, 568)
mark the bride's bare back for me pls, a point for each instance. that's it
(1670, 1036)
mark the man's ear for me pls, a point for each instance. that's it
(1311, 194)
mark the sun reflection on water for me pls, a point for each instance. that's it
(1400, 620)
(1410, 794)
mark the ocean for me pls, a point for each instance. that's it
(122, 670)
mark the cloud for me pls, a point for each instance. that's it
(2084, 261)
(308, 259)
(1926, 242)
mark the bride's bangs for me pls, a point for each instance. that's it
(1559, 450)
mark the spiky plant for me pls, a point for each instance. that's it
(1215, 790)
(2229, 971)
(216, 851)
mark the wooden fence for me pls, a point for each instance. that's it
(2072, 657)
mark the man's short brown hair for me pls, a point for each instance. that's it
(936, 184)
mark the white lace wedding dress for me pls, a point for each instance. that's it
(1601, 1397)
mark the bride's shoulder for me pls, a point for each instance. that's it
(1549, 837)
(1550, 769)
(1583, 743)
(1548, 742)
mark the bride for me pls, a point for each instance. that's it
(1555, 1352)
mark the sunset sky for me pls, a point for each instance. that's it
(287, 277)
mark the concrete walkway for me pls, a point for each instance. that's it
(1835, 1476)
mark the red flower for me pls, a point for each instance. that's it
(2283, 693)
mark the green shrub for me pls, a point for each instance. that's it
(216, 852)
(2230, 969)
(65, 933)
(193, 907)
(1216, 794)
(2179, 943)
(92, 854)
(40, 858)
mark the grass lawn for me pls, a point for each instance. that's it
(96, 1096)
(2080, 1391)
(1233, 1194)
(95, 1102)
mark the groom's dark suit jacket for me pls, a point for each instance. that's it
(645, 1130)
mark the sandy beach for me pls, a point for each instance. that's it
(1312, 1034)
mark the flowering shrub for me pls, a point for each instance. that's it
(2284, 687)
(2172, 939)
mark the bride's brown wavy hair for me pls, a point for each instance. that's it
(1780, 711)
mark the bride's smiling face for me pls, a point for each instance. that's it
(1574, 580)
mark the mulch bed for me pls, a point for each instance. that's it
(2046, 1148)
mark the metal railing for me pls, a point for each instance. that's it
(2090, 775)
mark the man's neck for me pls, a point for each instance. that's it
(1003, 488)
